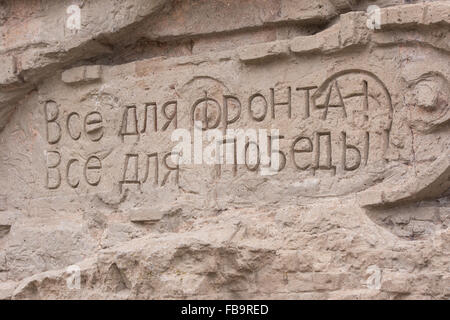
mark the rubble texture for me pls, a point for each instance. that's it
(359, 207)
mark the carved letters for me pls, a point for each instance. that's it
(343, 125)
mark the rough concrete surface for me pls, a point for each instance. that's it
(330, 120)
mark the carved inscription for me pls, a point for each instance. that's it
(343, 127)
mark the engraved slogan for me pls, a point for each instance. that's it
(337, 129)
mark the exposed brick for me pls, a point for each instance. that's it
(406, 15)
(353, 29)
(437, 13)
(325, 41)
(146, 215)
(396, 283)
(93, 73)
(81, 74)
(370, 198)
(259, 52)
(306, 44)
(330, 39)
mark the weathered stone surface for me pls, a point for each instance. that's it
(334, 184)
